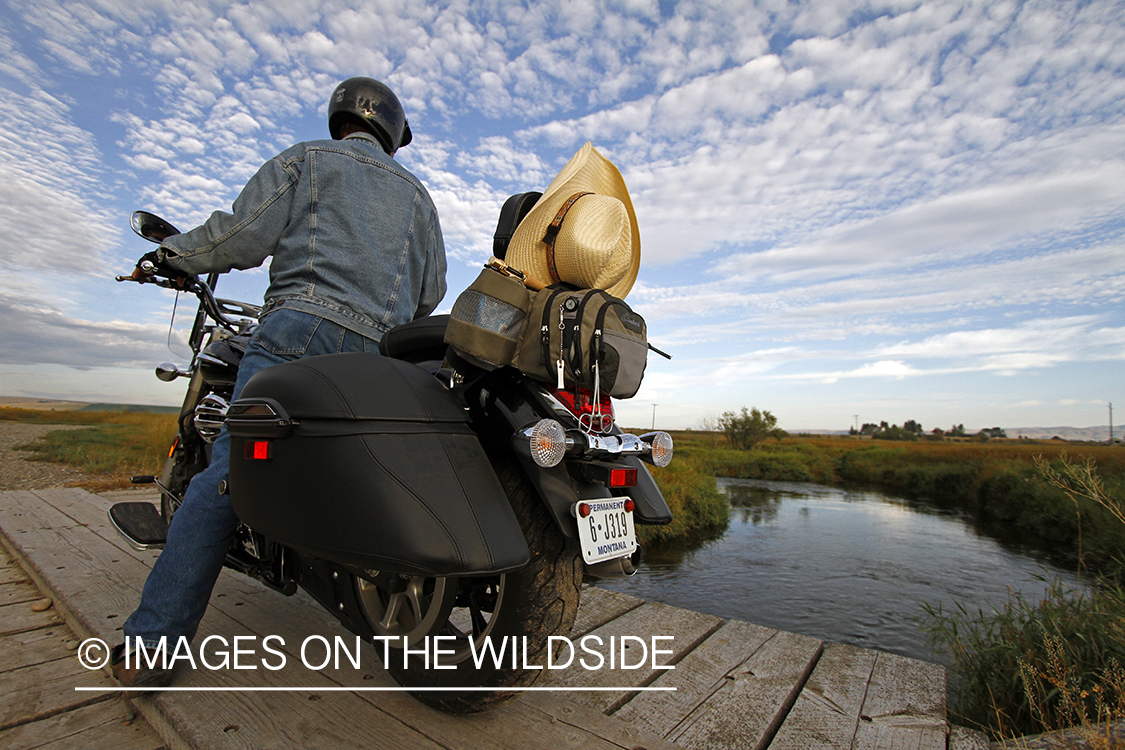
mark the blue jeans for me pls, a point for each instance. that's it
(177, 590)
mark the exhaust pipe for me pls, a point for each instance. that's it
(617, 568)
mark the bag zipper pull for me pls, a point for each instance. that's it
(559, 363)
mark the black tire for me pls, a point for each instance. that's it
(537, 601)
(189, 456)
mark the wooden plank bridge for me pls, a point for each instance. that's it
(737, 685)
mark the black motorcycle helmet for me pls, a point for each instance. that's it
(372, 105)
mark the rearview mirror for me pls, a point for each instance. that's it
(151, 226)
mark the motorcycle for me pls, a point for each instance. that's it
(410, 493)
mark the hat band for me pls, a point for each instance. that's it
(553, 233)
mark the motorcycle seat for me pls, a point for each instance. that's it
(417, 341)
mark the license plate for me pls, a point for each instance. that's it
(608, 531)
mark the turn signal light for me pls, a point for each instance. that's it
(661, 443)
(548, 443)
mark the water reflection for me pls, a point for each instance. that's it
(842, 565)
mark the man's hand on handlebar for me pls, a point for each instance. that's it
(150, 265)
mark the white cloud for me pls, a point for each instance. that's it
(50, 177)
(46, 335)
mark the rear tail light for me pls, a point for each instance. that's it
(593, 416)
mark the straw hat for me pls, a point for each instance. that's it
(596, 242)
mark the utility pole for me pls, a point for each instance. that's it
(654, 415)
(856, 423)
(1111, 423)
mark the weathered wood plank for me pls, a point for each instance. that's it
(44, 689)
(17, 592)
(90, 510)
(550, 721)
(96, 585)
(619, 734)
(10, 571)
(597, 606)
(100, 725)
(904, 707)
(963, 738)
(746, 711)
(102, 587)
(685, 627)
(16, 618)
(31, 647)
(243, 607)
(827, 711)
(696, 677)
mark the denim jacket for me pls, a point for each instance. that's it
(354, 236)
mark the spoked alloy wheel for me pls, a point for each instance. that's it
(527, 605)
(419, 610)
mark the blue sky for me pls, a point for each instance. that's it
(896, 210)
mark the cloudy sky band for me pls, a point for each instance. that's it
(830, 194)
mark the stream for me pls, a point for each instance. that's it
(851, 566)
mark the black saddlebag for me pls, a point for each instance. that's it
(368, 461)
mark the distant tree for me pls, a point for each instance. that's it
(749, 428)
(957, 430)
(993, 432)
(894, 432)
(710, 425)
(910, 431)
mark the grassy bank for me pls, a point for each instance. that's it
(699, 510)
(113, 446)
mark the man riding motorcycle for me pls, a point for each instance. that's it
(356, 249)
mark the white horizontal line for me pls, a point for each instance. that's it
(478, 689)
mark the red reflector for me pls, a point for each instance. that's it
(584, 509)
(629, 506)
(623, 478)
(257, 450)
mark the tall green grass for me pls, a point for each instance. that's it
(699, 510)
(1026, 669)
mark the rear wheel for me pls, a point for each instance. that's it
(537, 601)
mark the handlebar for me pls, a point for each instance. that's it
(218, 309)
